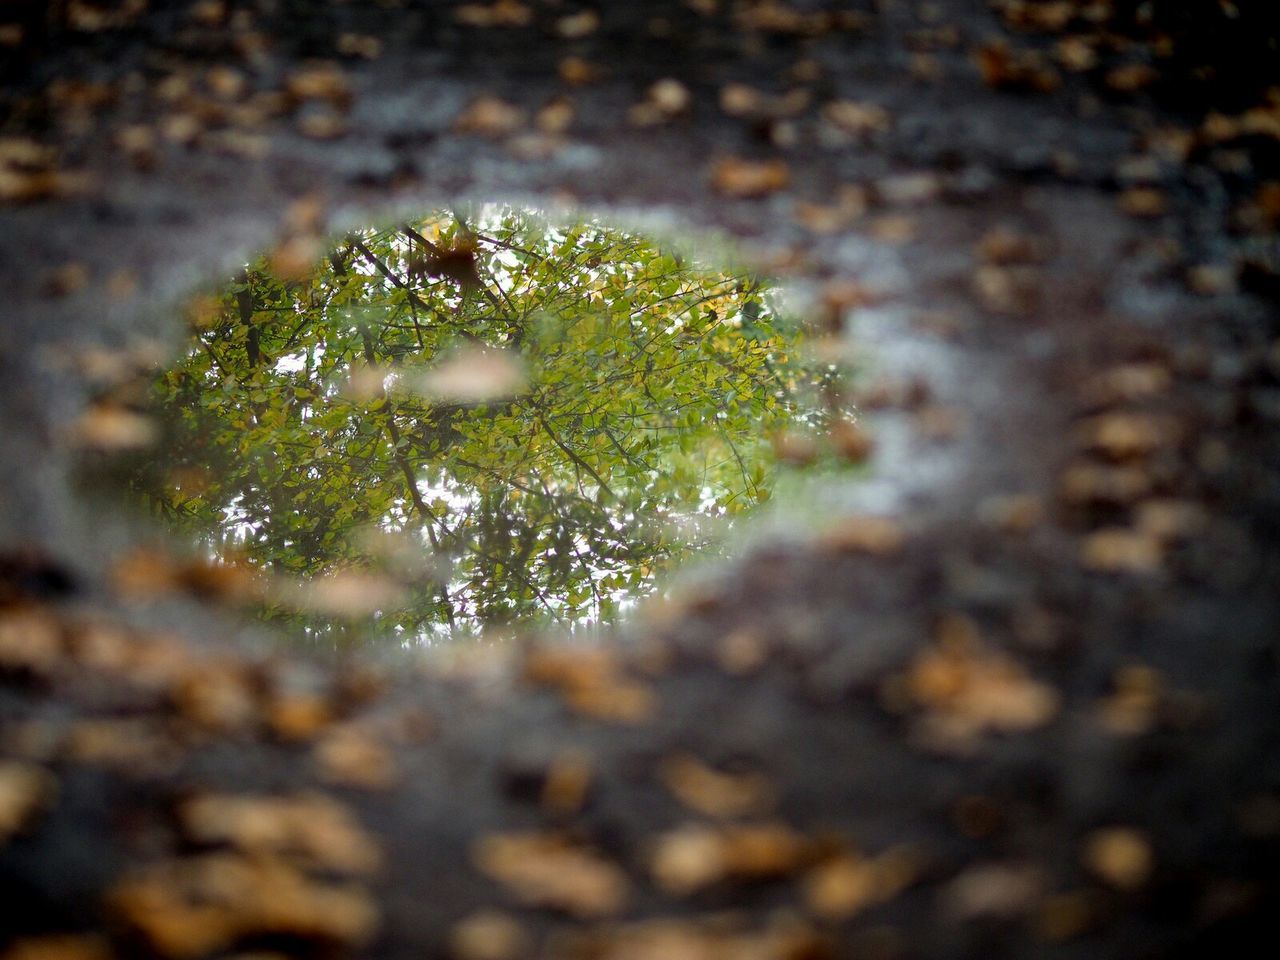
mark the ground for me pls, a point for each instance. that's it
(1017, 697)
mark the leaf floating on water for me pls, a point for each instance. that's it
(114, 428)
(344, 593)
(473, 375)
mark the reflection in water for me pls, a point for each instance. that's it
(467, 421)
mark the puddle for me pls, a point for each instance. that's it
(466, 423)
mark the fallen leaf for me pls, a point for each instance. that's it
(876, 536)
(575, 26)
(192, 906)
(63, 946)
(488, 935)
(692, 857)
(844, 886)
(968, 689)
(853, 117)
(502, 13)
(1122, 550)
(1003, 890)
(1120, 856)
(490, 116)
(547, 870)
(568, 779)
(473, 375)
(26, 790)
(310, 830)
(110, 428)
(712, 792)
(749, 179)
(354, 757)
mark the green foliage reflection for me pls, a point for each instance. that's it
(500, 418)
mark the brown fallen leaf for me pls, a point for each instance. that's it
(1132, 708)
(844, 886)
(111, 428)
(193, 906)
(472, 375)
(1004, 890)
(1094, 483)
(137, 747)
(592, 682)
(876, 536)
(1008, 68)
(713, 793)
(893, 228)
(343, 593)
(853, 117)
(908, 189)
(26, 790)
(30, 640)
(663, 101)
(501, 13)
(64, 946)
(850, 441)
(749, 179)
(568, 780)
(1005, 246)
(577, 72)
(216, 695)
(742, 651)
(1064, 916)
(714, 937)
(1132, 77)
(310, 830)
(354, 757)
(1015, 513)
(1076, 53)
(695, 856)
(490, 116)
(1120, 856)
(320, 82)
(546, 869)
(1126, 383)
(1144, 202)
(1122, 550)
(488, 935)
(967, 689)
(1124, 435)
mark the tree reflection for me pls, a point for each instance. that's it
(493, 418)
